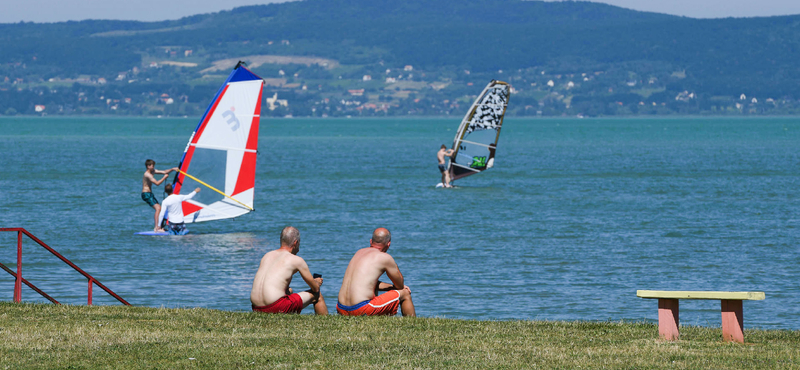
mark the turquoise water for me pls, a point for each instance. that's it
(574, 218)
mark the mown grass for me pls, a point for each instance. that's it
(81, 337)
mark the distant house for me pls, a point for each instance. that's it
(551, 83)
(169, 101)
(570, 85)
(366, 78)
(356, 92)
(754, 101)
(38, 108)
(284, 42)
(684, 96)
(187, 53)
(101, 81)
(274, 102)
(121, 76)
(390, 80)
(408, 68)
(153, 65)
(742, 97)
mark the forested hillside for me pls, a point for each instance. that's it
(410, 57)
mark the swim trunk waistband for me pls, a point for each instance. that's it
(351, 308)
(384, 304)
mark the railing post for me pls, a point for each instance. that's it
(18, 281)
(90, 292)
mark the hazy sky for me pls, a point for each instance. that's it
(155, 10)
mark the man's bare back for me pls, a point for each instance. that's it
(271, 292)
(360, 285)
(273, 276)
(361, 278)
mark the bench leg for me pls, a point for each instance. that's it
(668, 319)
(732, 321)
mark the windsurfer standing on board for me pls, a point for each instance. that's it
(147, 183)
(444, 152)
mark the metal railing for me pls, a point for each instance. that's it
(20, 280)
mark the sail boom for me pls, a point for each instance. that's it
(465, 167)
(474, 143)
(206, 146)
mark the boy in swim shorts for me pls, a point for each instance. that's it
(148, 180)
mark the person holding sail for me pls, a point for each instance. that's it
(271, 292)
(148, 180)
(173, 210)
(444, 152)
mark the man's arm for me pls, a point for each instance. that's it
(153, 179)
(314, 284)
(449, 152)
(162, 213)
(393, 272)
(190, 195)
(164, 172)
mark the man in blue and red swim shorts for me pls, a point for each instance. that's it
(358, 295)
(271, 292)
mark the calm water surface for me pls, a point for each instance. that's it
(575, 217)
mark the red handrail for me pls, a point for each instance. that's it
(20, 280)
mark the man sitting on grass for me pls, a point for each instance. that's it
(360, 285)
(271, 292)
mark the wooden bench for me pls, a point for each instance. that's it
(732, 319)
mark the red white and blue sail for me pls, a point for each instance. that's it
(221, 153)
(476, 139)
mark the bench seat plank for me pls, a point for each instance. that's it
(675, 294)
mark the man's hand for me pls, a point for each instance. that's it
(197, 190)
(318, 280)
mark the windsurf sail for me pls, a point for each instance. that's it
(476, 139)
(220, 157)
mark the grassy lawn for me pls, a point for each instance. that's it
(76, 337)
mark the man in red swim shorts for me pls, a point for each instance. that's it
(271, 292)
(358, 295)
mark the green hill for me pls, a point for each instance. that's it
(613, 57)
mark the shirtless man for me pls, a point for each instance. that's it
(444, 152)
(147, 183)
(360, 285)
(173, 210)
(271, 292)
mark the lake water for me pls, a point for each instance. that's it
(574, 218)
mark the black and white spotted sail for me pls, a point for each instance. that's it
(475, 143)
(489, 111)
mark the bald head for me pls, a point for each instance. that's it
(381, 236)
(289, 235)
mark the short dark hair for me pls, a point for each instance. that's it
(149, 162)
(168, 188)
(444, 146)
